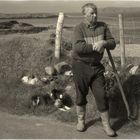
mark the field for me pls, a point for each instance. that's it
(109, 15)
(28, 54)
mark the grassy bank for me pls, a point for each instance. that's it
(22, 55)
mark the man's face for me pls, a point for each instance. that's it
(90, 15)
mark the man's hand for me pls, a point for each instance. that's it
(99, 46)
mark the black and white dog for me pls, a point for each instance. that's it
(57, 97)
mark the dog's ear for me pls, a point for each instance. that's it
(53, 94)
(36, 99)
(54, 91)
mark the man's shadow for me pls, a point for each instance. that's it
(92, 122)
(118, 117)
(117, 113)
(117, 109)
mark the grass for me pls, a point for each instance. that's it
(20, 55)
(29, 54)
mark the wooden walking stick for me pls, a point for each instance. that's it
(119, 83)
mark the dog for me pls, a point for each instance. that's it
(131, 86)
(56, 97)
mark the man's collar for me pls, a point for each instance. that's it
(89, 25)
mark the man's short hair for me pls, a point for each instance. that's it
(92, 5)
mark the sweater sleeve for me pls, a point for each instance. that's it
(110, 40)
(79, 44)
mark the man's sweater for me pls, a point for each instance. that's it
(84, 36)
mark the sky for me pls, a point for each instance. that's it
(36, 6)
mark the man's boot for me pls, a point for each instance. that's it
(81, 111)
(106, 124)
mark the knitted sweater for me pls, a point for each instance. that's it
(83, 38)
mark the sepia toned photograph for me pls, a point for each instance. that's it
(69, 69)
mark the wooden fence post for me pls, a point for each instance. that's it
(58, 38)
(122, 43)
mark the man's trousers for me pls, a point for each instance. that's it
(87, 75)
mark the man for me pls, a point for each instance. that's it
(90, 40)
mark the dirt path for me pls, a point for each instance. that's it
(31, 127)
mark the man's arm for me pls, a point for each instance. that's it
(110, 42)
(79, 44)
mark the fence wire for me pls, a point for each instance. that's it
(131, 28)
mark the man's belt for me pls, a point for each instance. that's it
(89, 63)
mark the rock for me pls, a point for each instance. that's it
(62, 67)
(58, 103)
(45, 80)
(134, 70)
(68, 88)
(68, 73)
(32, 81)
(29, 81)
(25, 79)
(50, 70)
